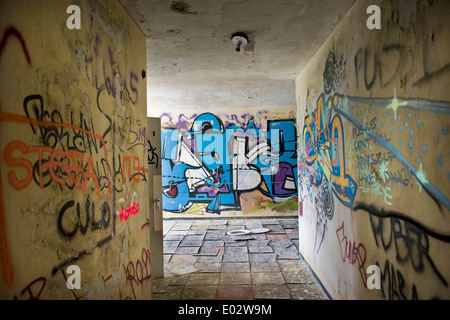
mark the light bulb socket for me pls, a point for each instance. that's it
(239, 39)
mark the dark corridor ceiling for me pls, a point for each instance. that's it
(193, 64)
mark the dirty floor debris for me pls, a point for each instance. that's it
(202, 262)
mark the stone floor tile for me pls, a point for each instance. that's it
(234, 293)
(259, 236)
(179, 233)
(168, 224)
(257, 266)
(201, 223)
(259, 242)
(186, 250)
(291, 265)
(208, 266)
(235, 257)
(195, 236)
(204, 279)
(223, 222)
(263, 257)
(296, 277)
(217, 227)
(167, 257)
(215, 235)
(170, 249)
(288, 255)
(171, 243)
(275, 229)
(235, 243)
(199, 293)
(235, 254)
(287, 248)
(253, 224)
(265, 291)
(190, 243)
(236, 250)
(234, 278)
(171, 293)
(267, 222)
(267, 278)
(235, 267)
(288, 223)
(213, 243)
(181, 280)
(236, 222)
(293, 236)
(209, 259)
(231, 227)
(259, 249)
(196, 232)
(276, 236)
(180, 269)
(174, 237)
(181, 226)
(238, 240)
(306, 292)
(281, 243)
(183, 259)
(207, 251)
(160, 285)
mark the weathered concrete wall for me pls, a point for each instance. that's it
(374, 161)
(73, 152)
(238, 162)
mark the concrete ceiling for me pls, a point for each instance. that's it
(193, 64)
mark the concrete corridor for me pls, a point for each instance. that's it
(202, 262)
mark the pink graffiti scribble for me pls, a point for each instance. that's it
(12, 32)
(352, 252)
(130, 211)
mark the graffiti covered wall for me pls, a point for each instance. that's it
(73, 172)
(374, 163)
(236, 164)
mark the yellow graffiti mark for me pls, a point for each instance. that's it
(197, 209)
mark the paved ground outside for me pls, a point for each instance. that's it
(203, 262)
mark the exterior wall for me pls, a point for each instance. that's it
(73, 152)
(236, 163)
(374, 163)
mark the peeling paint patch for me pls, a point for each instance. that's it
(181, 7)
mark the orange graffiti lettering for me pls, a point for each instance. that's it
(13, 178)
(65, 167)
(137, 169)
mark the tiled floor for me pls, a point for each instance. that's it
(203, 262)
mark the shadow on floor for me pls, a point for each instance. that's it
(202, 262)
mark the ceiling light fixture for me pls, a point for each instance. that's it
(240, 40)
